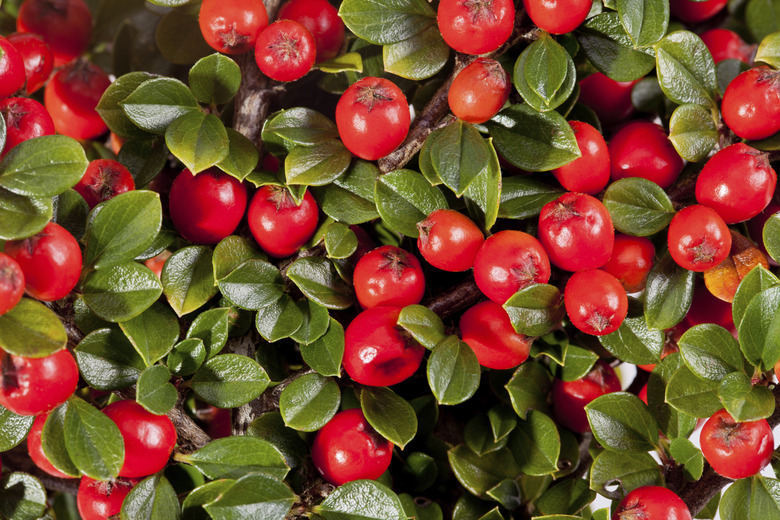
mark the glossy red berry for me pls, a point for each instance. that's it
(570, 397)
(323, 22)
(232, 27)
(388, 275)
(50, 260)
(509, 261)
(557, 16)
(751, 103)
(479, 91)
(11, 283)
(642, 395)
(610, 99)
(279, 225)
(104, 180)
(207, 207)
(449, 240)
(72, 95)
(372, 118)
(475, 27)
(595, 302)
(12, 76)
(695, 11)
(652, 503)
(149, 438)
(65, 25)
(37, 57)
(736, 449)
(737, 182)
(724, 44)
(644, 150)
(25, 119)
(576, 231)
(35, 448)
(589, 173)
(631, 261)
(285, 51)
(706, 308)
(99, 500)
(347, 448)
(698, 238)
(486, 328)
(31, 386)
(377, 352)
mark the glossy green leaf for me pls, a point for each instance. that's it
(536, 309)
(326, 352)
(70, 210)
(692, 132)
(710, 351)
(752, 499)
(237, 456)
(350, 198)
(186, 357)
(43, 166)
(692, 395)
(566, 498)
(253, 497)
(192, 507)
(340, 241)
(645, 21)
(668, 293)
(13, 428)
(759, 332)
(347, 62)
(31, 329)
(53, 442)
(231, 252)
(771, 236)
(279, 320)
(157, 103)
(198, 140)
(418, 57)
(483, 196)
(524, 196)
(389, 414)
(686, 71)
(21, 216)
(212, 328)
(634, 343)
(757, 280)
(271, 428)
(479, 437)
(609, 48)
(317, 279)
(188, 280)
(107, 360)
(629, 470)
(22, 497)
(153, 332)
(577, 363)
(229, 380)
(479, 474)
(686, 453)
(508, 494)
(110, 109)
(361, 499)
(241, 158)
(528, 388)
(458, 154)
(309, 402)
(423, 324)
(404, 198)
(762, 17)
(453, 371)
(151, 499)
(315, 322)
(318, 164)
(121, 292)
(743, 401)
(536, 444)
(621, 422)
(769, 50)
(286, 129)
(638, 207)
(384, 22)
(154, 391)
(92, 440)
(144, 158)
(215, 79)
(544, 74)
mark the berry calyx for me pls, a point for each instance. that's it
(388, 275)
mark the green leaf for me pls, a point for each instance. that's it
(279, 320)
(253, 497)
(478, 474)
(241, 157)
(417, 57)
(502, 421)
(145, 158)
(453, 371)
(752, 499)
(634, 343)
(769, 50)
(186, 357)
(93, 441)
(458, 154)
(756, 281)
(759, 332)
(154, 391)
(743, 401)
(692, 395)
(212, 328)
(110, 109)
(386, 21)
(340, 241)
(22, 497)
(638, 207)
(70, 211)
(235, 457)
(630, 470)
(318, 280)
(479, 437)
(215, 79)
(532, 140)
(347, 62)
(153, 332)
(771, 236)
(483, 196)
(231, 252)
(31, 329)
(350, 198)
(692, 132)
(686, 71)
(528, 388)
(121, 292)
(536, 444)
(544, 74)
(271, 428)
(192, 507)
(151, 499)
(508, 494)
(229, 380)
(577, 363)
(286, 129)
(315, 322)
(621, 422)
(326, 352)
(668, 293)
(188, 280)
(390, 415)
(43, 166)
(107, 360)
(13, 428)
(361, 500)
(423, 324)
(21, 216)
(317, 165)
(157, 103)
(309, 402)
(710, 351)
(404, 198)
(568, 497)
(686, 453)
(535, 310)
(523, 196)
(53, 443)
(645, 21)
(762, 17)
(198, 140)
(609, 48)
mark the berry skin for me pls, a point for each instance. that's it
(724, 44)
(11, 283)
(207, 207)
(25, 119)
(693, 11)
(377, 352)
(388, 275)
(149, 439)
(698, 238)
(509, 261)
(707, 308)
(589, 173)
(347, 448)
(232, 27)
(644, 150)
(285, 51)
(372, 117)
(479, 91)
(50, 260)
(449, 240)
(569, 398)
(31, 386)
(631, 261)
(576, 231)
(557, 16)
(652, 503)
(35, 449)
(474, 26)
(104, 180)
(751, 103)
(323, 22)
(486, 328)
(736, 449)
(37, 57)
(610, 99)
(737, 182)
(12, 76)
(595, 302)
(99, 500)
(65, 25)
(71, 96)
(279, 226)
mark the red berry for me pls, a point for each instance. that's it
(736, 449)
(377, 352)
(156, 263)
(724, 44)
(610, 99)
(476, 27)
(104, 179)
(25, 119)
(71, 96)
(207, 207)
(65, 25)
(652, 503)
(570, 397)
(695, 11)
(285, 51)
(706, 308)
(479, 91)
(589, 173)
(31, 386)
(232, 27)
(751, 103)
(323, 22)
(644, 150)
(487, 330)
(698, 238)
(372, 117)
(449, 240)
(642, 395)
(576, 231)
(509, 261)
(149, 438)
(279, 226)
(35, 449)
(595, 302)
(38, 59)
(631, 261)
(557, 16)
(388, 275)
(737, 182)
(347, 448)
(12, 76)
(99, 500)
(670, 347)
(50, 260)
(11, 283)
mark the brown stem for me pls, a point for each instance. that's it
(456, 299)
(17, 459)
